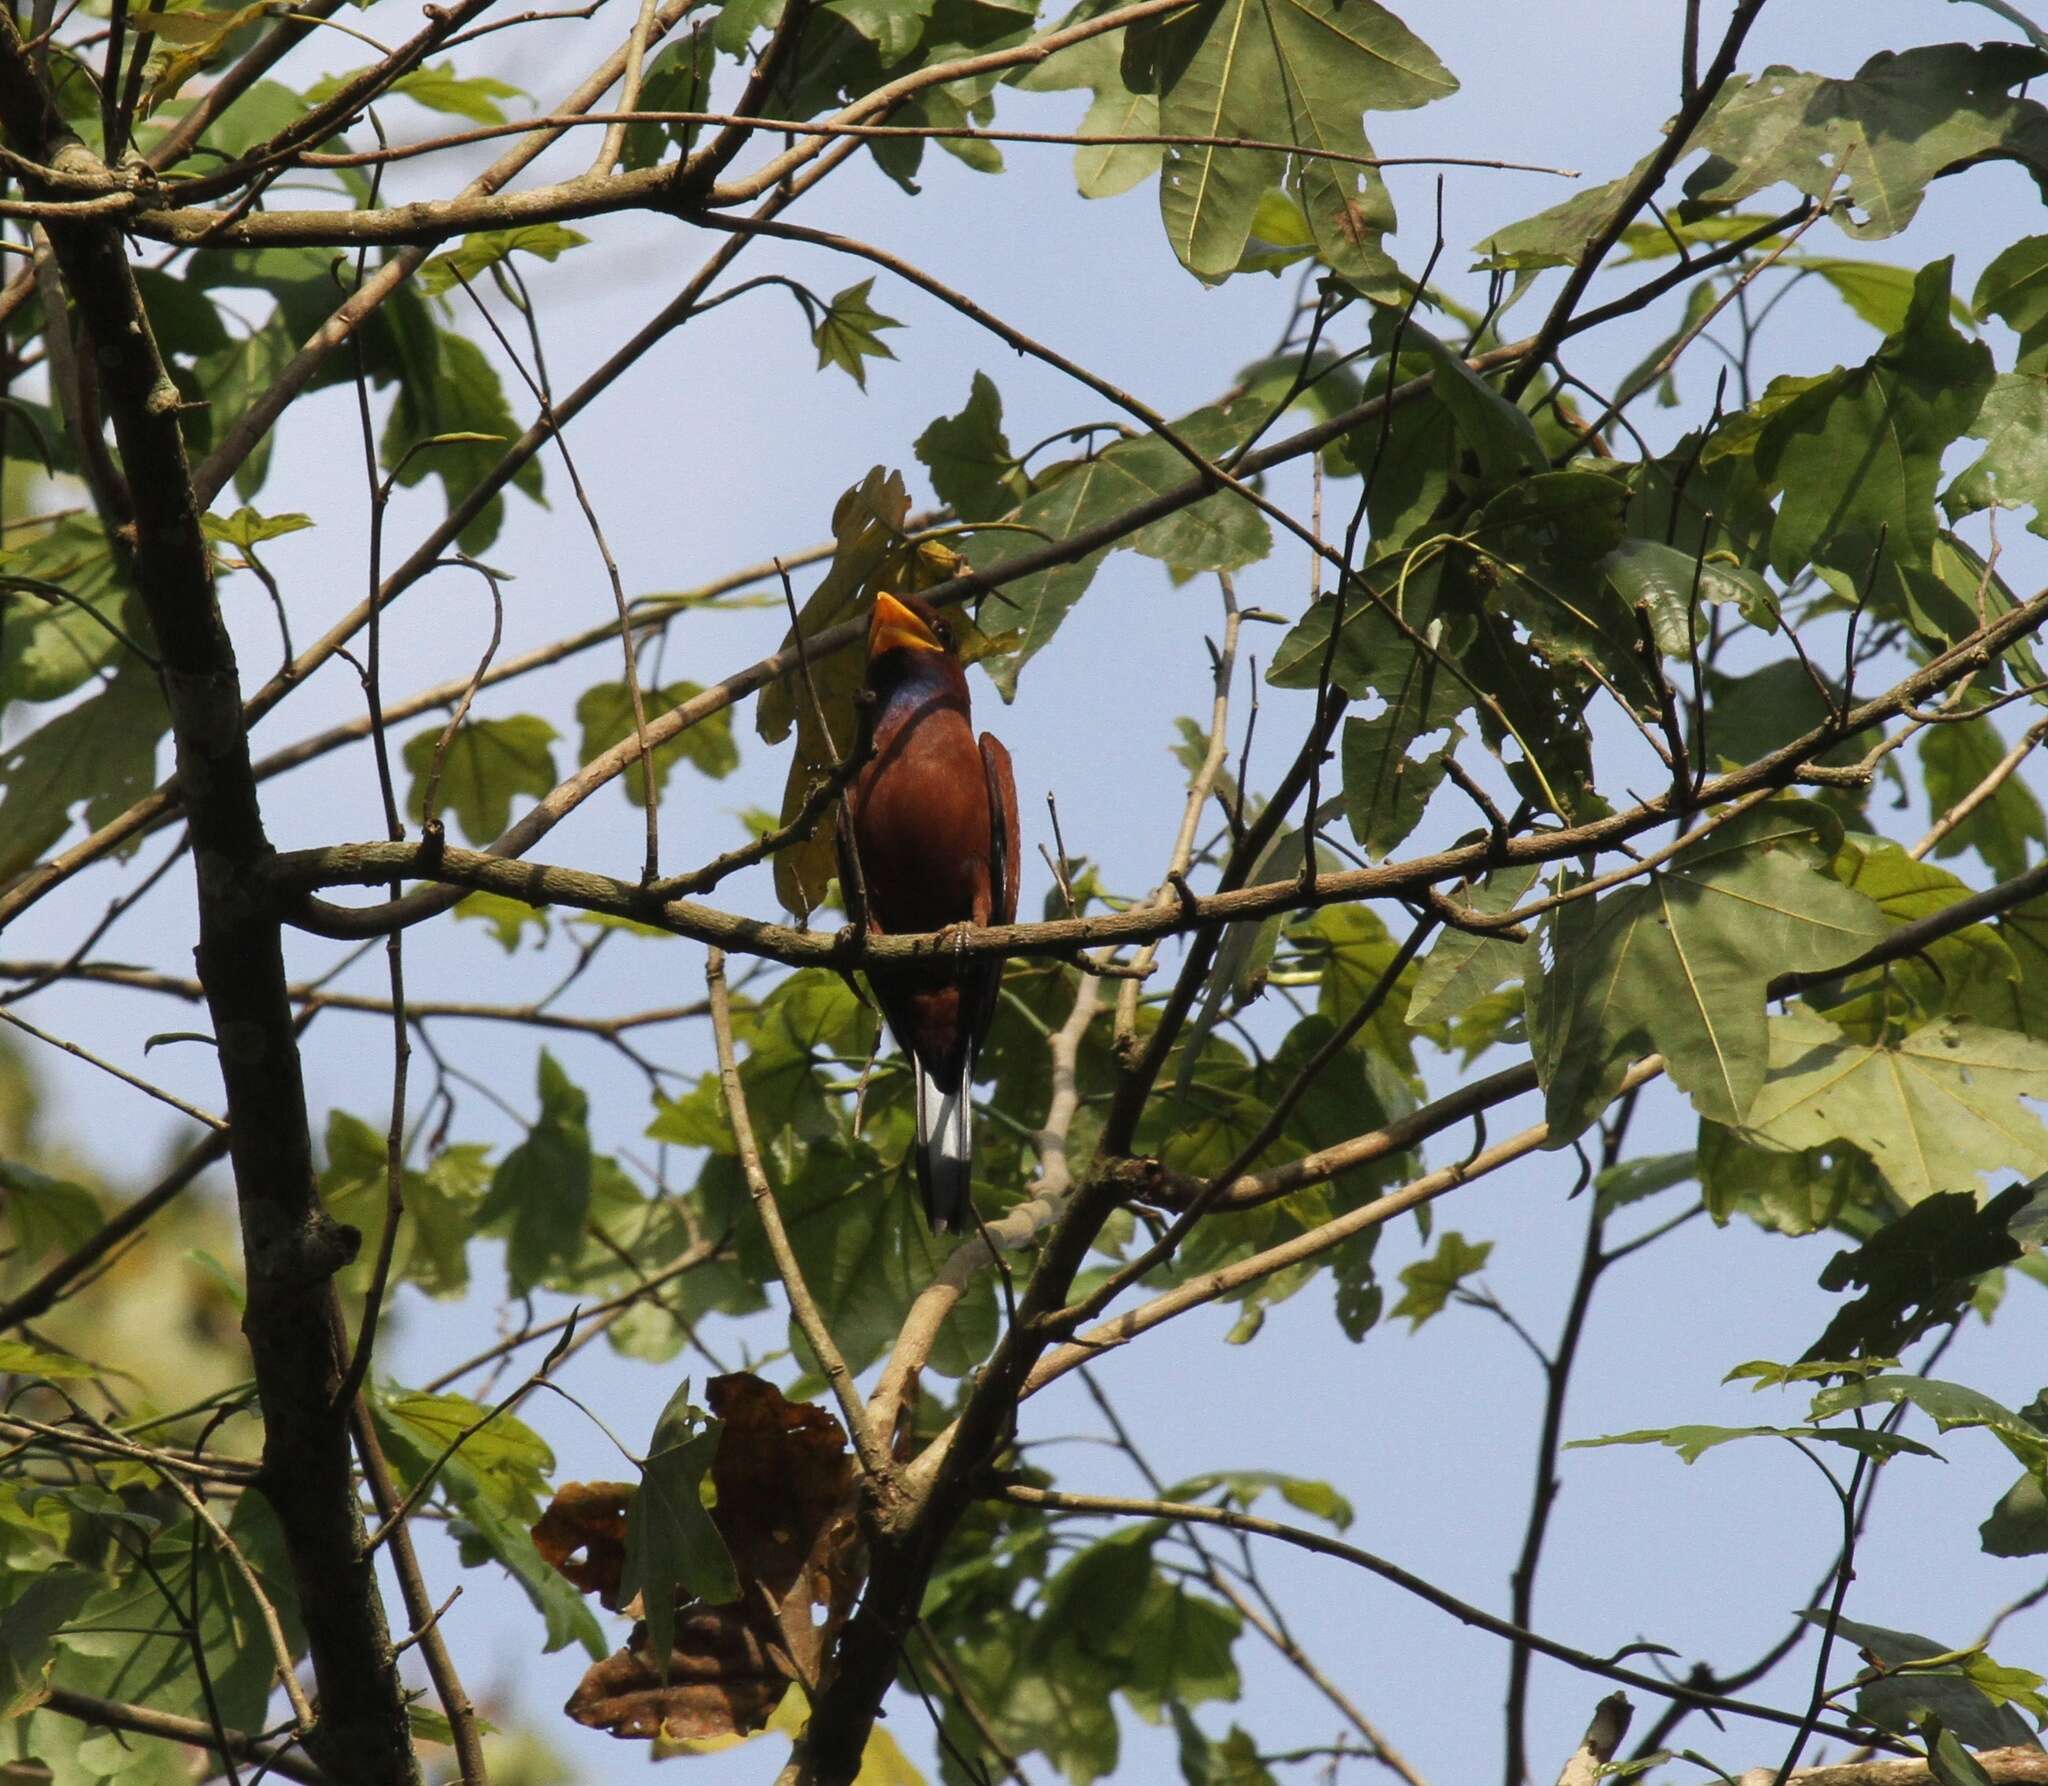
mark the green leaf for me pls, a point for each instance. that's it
(507, 1459)
(1874, 141)
(126, 1638)
(1223, 532)
(1913, 1678)
(1948, 1762)
(474, 253)
(1858, 455)
(448, 391)
(1243, 1488)
(1878, 291)
(1557, 235)
(2012, 471)
(671, 1544)
(2018, 1525)
(46, 1215)
(1429, 1283)
(246, 528)
(969, 457)
(1951, 1407)
(1501, 436)
(49, 647)
(606, 716)
(677, 80)
(100, 753)
(892, 26)
(1693, 1442)
(20, 1359)
(1461, 968)
(440, 89)
(489, 761)
(541, 1191)
(1102, 170)
(1633, 1180)
(1933, 1109)
(1955, 759)
(849, 333)
(1677, 964)
(1385, 789)
(1287, 71)
(1232, 1762)
(507, 918)
(2014, 288)
(1917, 1273)
(487, 1531)
(1661, 581)
(28, 1632)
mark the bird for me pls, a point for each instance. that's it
(933, 816)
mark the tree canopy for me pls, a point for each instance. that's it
(1610, 770)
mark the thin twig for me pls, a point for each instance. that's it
(871, 1448)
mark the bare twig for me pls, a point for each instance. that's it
(871, 1448)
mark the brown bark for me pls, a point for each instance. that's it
(290, 1246)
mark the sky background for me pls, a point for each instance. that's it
(725, 445)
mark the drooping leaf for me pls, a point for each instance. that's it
(1858, 455)
(540, 1193)
(671, 1548)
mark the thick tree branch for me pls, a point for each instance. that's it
(110, 1714)
(291, 1247)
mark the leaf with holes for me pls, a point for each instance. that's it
(1933, 1109)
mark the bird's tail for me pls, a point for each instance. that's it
(945, 1149)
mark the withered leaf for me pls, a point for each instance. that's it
(786, 1513)
(583, 1534)
(721, 1682)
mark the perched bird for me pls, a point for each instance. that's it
(935, 827)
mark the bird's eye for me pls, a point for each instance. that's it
(944, 634)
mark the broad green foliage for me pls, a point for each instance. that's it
(1677, 964)
(1603, 708)
(1933, 1108)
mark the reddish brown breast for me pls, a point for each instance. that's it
(920, 809)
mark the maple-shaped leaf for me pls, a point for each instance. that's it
(850, 332)
(1678, 962)
(1933, 1109)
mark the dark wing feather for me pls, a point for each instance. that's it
(1002, 828)
(985, 986)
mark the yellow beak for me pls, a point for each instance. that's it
(892, 626)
